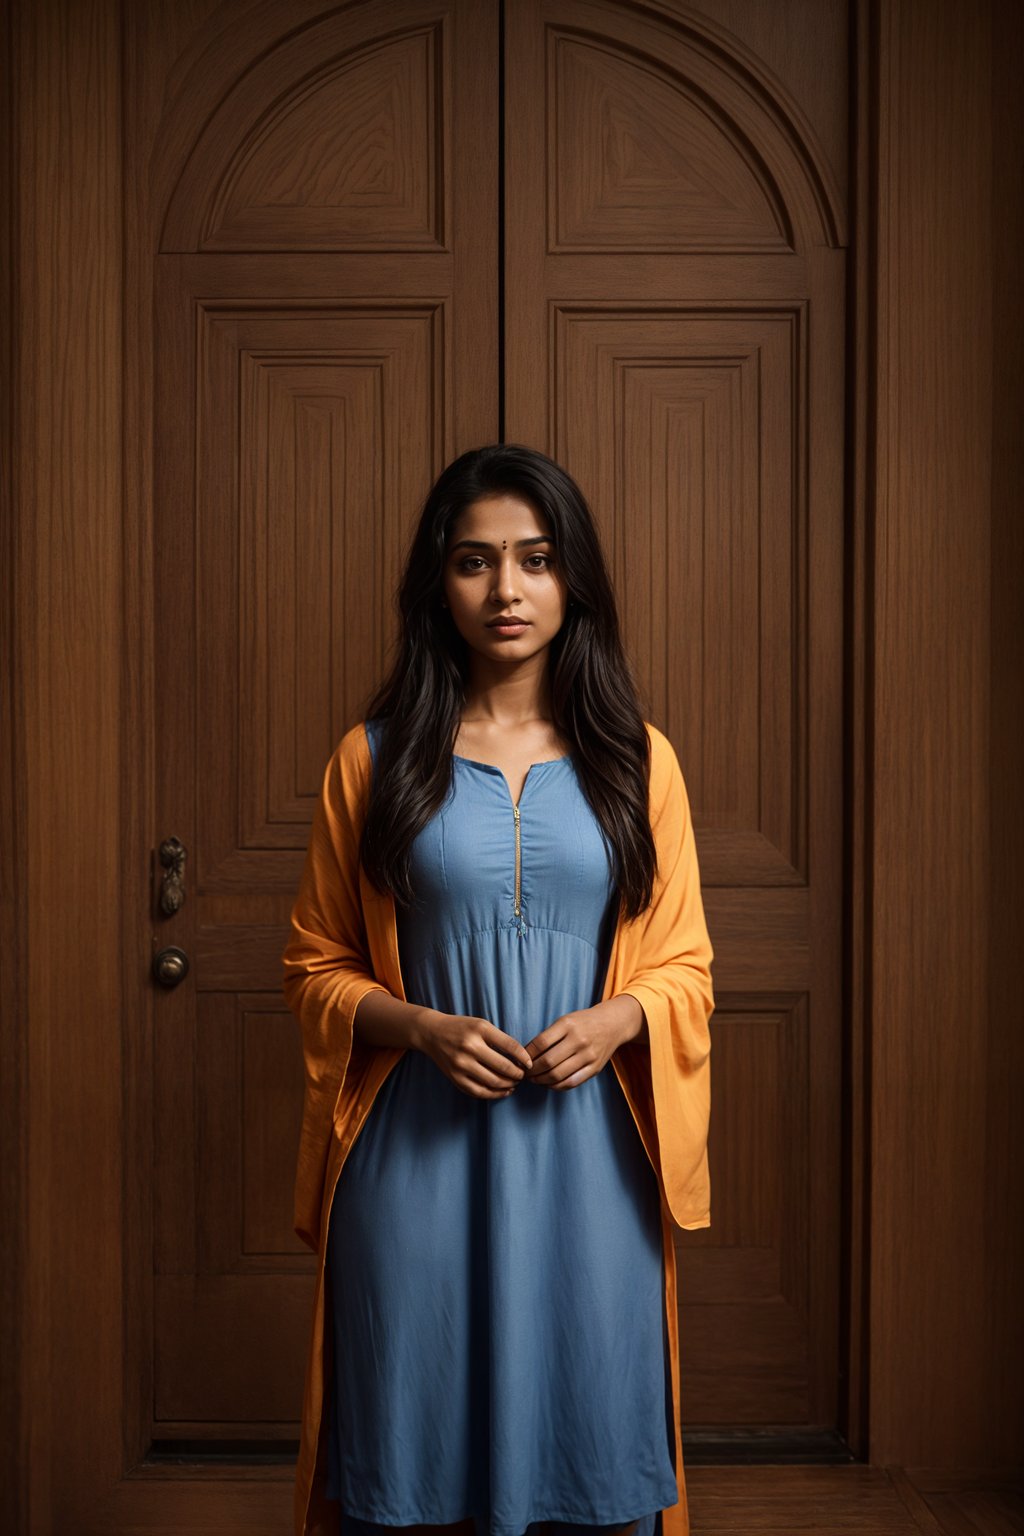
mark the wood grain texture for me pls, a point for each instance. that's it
(857, 722)
(351, 157)
(1004, 1124)
(67, 590)
(15, 1394)
(803, 44)
(941, 1202)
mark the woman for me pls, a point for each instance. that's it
(501, 969)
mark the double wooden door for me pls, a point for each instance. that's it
(362, 239)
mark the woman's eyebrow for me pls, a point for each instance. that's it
(540, 538)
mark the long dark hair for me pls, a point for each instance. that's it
(594, 696)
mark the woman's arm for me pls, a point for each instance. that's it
(327, 966)
(381, 1019)
(326, 963)
(673, 982)
(669, 974)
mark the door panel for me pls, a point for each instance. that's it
(325, 283)
(675, 274)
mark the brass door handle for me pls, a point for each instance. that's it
(170, 966)
(172, 886)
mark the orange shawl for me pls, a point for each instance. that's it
(344, 943)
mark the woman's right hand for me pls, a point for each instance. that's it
(474, 1054)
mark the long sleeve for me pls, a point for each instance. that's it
(327, 969)
(671, 980)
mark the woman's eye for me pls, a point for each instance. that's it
(474, 562)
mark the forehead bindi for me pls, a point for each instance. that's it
(534, 541)
(493, 526)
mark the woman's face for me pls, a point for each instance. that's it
(501, 562)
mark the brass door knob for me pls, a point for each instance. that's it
(170, 966)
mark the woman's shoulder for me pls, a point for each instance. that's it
(357, 752)
(666, 772)
(353, 742)
(352, 756)
(663, 753)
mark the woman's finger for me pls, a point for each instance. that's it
(507, 1070)
(575, 1079)
(507, 1045)
(555, 1055)
(477, 1071)
(570, 1065)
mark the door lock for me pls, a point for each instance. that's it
(170, 966)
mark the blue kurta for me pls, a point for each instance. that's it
(494, 1266)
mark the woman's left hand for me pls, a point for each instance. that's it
(577, 1045)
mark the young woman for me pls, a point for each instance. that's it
(501, 968)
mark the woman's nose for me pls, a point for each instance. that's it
(506, 587)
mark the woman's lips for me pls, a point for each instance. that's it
(513, 627)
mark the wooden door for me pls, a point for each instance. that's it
(324, 335)
(674, 277)
(325, 339)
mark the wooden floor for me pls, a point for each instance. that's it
(890, 1501)
(849, 1500)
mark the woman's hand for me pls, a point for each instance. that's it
(578, 1045)
(474, 1054)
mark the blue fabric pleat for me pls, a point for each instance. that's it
(495, 1271)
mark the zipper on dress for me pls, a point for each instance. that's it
(517, 904)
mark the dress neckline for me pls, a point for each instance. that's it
(493, 768)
